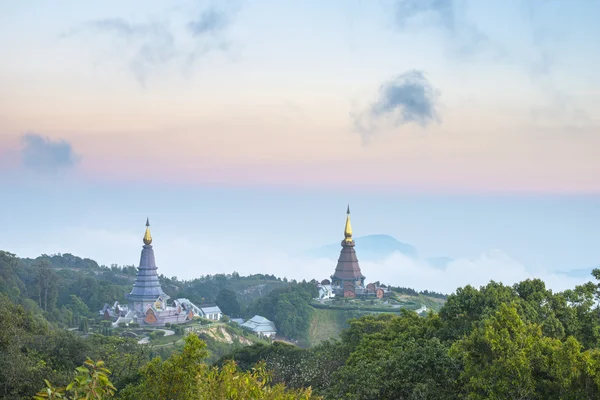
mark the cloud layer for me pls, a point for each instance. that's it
(463, 37)
(153, 44)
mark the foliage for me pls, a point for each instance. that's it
(31, 350)
(289, 308)
(507, 358)
(412, 292)
(90, 382)
(494, 342)
(183, 376)
(228, 302)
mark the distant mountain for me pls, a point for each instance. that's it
(579, 273)
(368, 248)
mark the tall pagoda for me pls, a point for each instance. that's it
(148, 300)
(146, 289)
(348, 280)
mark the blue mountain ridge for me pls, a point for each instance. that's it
(579, 273)
(376, 248)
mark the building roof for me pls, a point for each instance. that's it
(347, 266)
(211, 310)
(259, 324)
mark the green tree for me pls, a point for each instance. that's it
(46, 286)
(497, 357)
(106, 328)
(507, 358)
(90, 382)
(228, 302)
(83, 325)
(123, 356)
(174, 378)
(185, 376)
(395, 357)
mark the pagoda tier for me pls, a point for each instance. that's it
(146, 288)
(347, 267)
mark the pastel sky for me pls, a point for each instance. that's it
(457, 126)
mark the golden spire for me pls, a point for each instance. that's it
(147, 235)
(348, 229)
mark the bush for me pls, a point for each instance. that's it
(179, 330)
(122, 324)
(156, 334)
(134, 325)
(168, 325)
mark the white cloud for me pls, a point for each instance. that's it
(188, 258)
(496, 265)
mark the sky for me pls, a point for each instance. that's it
(243, 129)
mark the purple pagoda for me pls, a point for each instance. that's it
(148, 302)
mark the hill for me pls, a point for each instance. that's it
(372, 248)
(578, 273)
(377, 248)
(66, 290)
(48, 282)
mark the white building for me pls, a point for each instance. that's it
(261, 326)
(212, 313)
(325, 292)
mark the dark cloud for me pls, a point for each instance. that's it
(43, 154)
(154, 44)
(463, 37)
(409, 97)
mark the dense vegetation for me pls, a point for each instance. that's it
(289, 308)
(496, 342)
(32, 349)
(182, 376)
(64, 288)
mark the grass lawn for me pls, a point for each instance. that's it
(326, 324)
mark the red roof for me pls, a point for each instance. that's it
(347, 266)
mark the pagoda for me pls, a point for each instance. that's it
(348, 280)
(148, 302)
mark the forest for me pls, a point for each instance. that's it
(522, 341)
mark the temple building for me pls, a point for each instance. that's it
(348, 280)
(148, 302)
